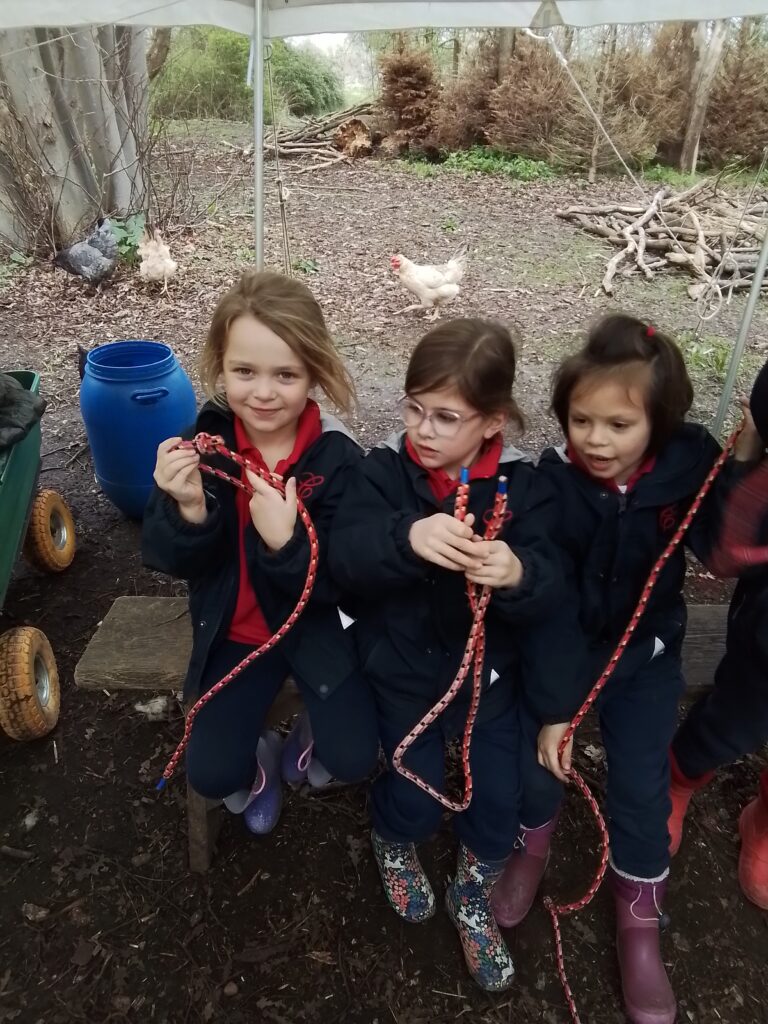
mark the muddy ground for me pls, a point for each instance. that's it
(104, 923)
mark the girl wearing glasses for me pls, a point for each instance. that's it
(397, 545)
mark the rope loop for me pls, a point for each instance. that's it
(208, 444)
(473, 657)
(557, 910)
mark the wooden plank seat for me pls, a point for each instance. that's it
(144, 643)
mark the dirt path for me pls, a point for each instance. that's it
(295, 925)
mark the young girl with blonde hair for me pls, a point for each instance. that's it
(246, 559)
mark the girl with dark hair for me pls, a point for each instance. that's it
(397, 545)
(625, 478)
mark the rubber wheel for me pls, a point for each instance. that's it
(29, 684)
(50, 540)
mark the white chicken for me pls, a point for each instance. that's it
(156, 263)
(433, 285)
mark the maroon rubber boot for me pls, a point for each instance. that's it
(681, 789)
(515, 891)
(648, 995)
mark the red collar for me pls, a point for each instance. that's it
(610, 485)
(308, 430)
(442, 485)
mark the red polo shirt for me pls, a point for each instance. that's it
(485, 465)
(248, 625)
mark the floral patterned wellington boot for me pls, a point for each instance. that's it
(407, 887)
(468, 903)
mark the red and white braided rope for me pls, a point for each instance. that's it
(474, 655)
(555, 909)
(206, 444)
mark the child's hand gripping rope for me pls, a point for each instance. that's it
(474, 654)
(205, 444)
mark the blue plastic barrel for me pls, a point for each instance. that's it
(133, 396)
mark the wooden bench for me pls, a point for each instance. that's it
(144, 643)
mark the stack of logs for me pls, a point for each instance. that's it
(700, 230)
(325, 140)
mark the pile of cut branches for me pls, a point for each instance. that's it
(324, 140)
(701, 230)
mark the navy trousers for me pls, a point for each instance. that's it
(221, 756)
(638, 717)
(404, 813)
(732, 720)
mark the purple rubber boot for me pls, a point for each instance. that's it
(515, 891)
(297, 751)
(266, 801)
(648, 995)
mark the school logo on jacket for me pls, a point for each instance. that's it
(668, 518)
(306, 484)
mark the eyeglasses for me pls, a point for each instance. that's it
(444, 422)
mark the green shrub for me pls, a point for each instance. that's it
(305, 79)
(665, 175)
(708, 355)
(205, 76)
(483, 160)
(128, 233)
(419, 166)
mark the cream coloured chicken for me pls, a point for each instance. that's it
(433, 285)
(156, 263)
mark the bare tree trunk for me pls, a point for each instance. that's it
(158, 51)
(73, 107)
(456, 56)
(41, 140)
(506, 51)
(709, 51)
(605, 73)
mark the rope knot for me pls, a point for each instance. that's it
(209, 444)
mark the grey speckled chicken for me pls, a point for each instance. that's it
(94, 258)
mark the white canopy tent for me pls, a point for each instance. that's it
(302, 17)
(265, 19)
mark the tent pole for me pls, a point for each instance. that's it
(258, 133)
(741, 339)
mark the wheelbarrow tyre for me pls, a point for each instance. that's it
(29, 684)
(50, 540)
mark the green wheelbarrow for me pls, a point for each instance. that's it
(40, 524)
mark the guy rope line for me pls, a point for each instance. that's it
(282, 192)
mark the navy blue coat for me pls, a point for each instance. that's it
(413, 617)
(748, 623)
(613, 541)
(318, 648)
